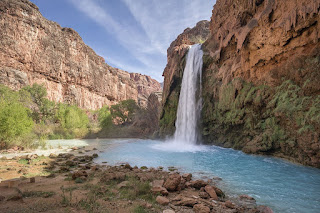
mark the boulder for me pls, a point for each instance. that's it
(182, 184)
(246, 197)
(198, 184)
(200, 208)
(159, 189)
(162, 200)
(172, 182)
(127, 166)
(188, 184)
(187, 176)
(264, 209)
(204, 195)
(94, 168)
(168, 211)
(64, 169)
(185, 201)
(219, 192)
(229, 204)
(78, 174)
(157, 183)
(122, 184)
(119, 176)
(210, 190)
(70, 163)
(32, 156)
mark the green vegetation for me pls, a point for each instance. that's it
(28, 119)
(73, 122)
(135, 189)
(15, 123)
(124, 111)
(105, 118)
(260, 115)
(140, 209)
(169, 114)
(28, 194)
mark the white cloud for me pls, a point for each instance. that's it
(118, 63)
(160, 22)
(164, 20)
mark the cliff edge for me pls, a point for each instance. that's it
(36, 50)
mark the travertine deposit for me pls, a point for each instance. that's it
(36, 50)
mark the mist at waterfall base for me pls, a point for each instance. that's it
(189, 108)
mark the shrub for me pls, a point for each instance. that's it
(73, 120)
(35, 97)
(104, 117)
(124, 111)
(15, 122)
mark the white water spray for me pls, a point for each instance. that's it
(190, 104)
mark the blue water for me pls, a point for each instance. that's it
(281, 185)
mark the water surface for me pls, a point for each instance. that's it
(281, 185)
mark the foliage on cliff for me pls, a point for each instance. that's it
(263, 119)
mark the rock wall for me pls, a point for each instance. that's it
(36, 50)
(261, 77)
(146, 86)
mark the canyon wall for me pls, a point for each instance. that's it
(261, 74)
(36, 50)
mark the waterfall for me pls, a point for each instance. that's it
(190, 103)
(186, 137)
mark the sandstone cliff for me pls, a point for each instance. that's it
(145, 86)
(36, 50)
(261, 78)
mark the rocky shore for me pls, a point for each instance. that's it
(70, 182)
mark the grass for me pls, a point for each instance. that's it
(79, 180)
(41, 173)
(23, 161)
(139, 209)
(136, 189)
(28, 194)
(66, 197)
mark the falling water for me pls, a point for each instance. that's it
(190, 103)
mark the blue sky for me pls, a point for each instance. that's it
(132, 35)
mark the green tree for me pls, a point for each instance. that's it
(104, 117)
(15, 122)
(73, 120)
(34, 97)
(124, 111)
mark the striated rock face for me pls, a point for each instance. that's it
(174, 71)
(35, 50)
(146, 86)
(261, 90)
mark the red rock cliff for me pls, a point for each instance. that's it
(261, 90)
(36, 50)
